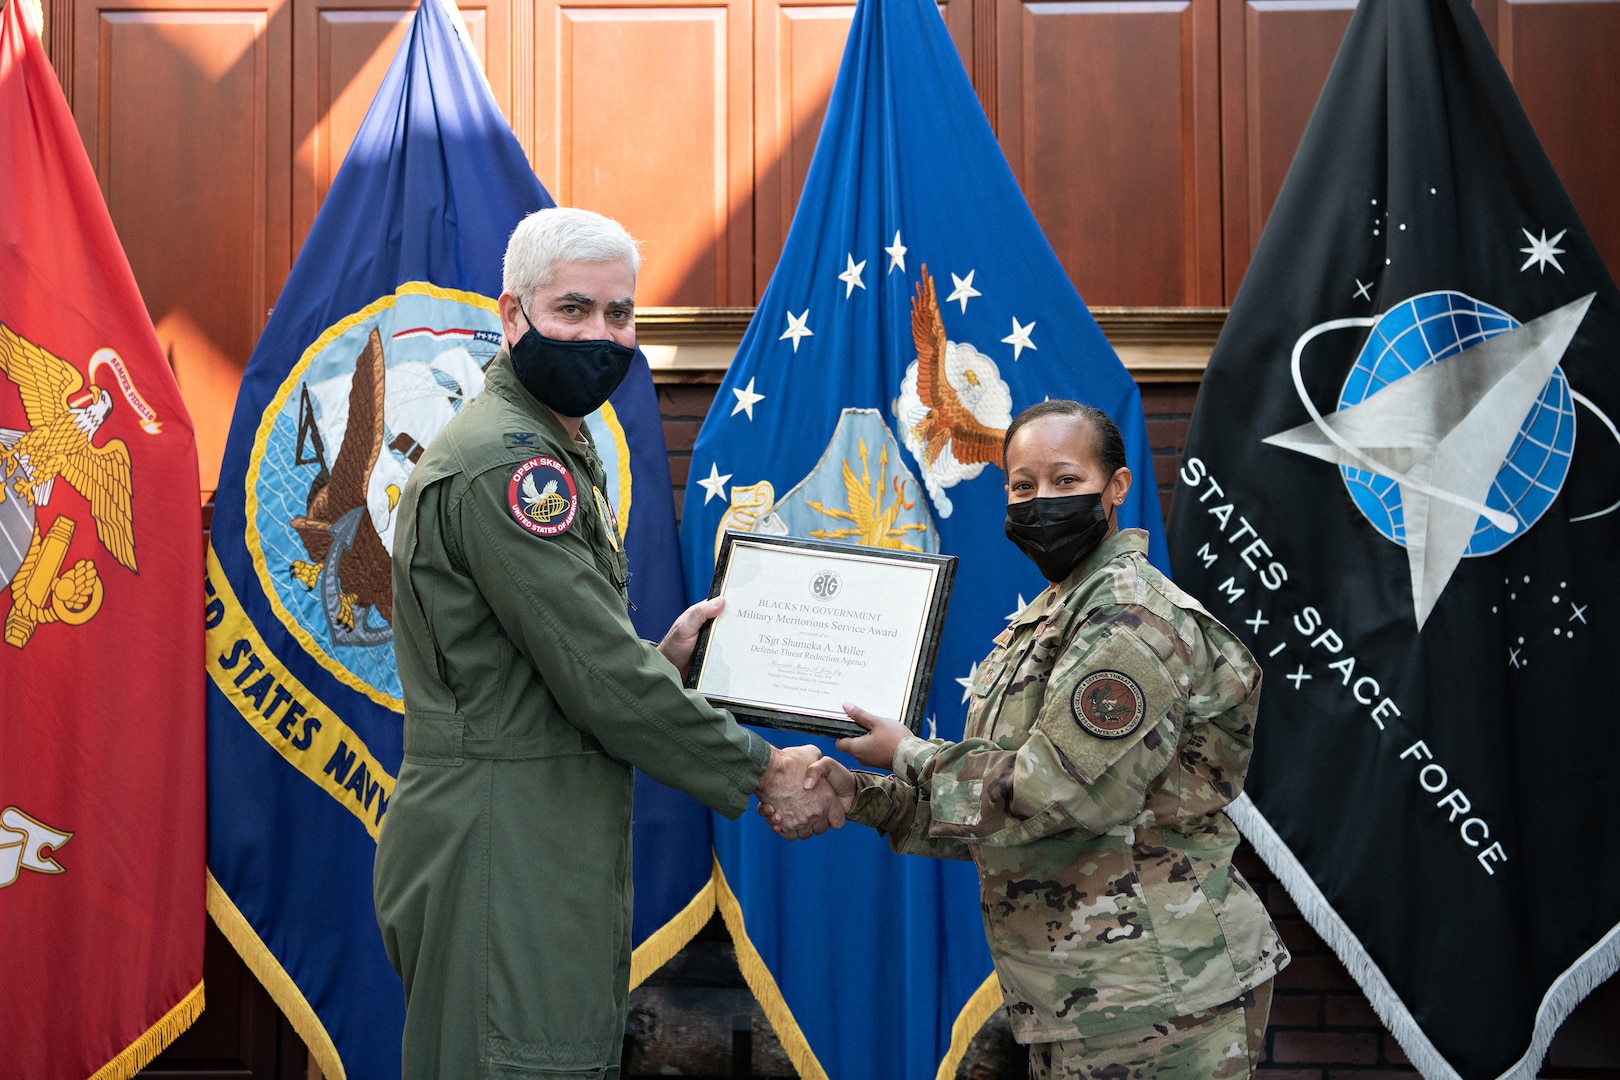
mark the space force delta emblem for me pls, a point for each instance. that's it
(542, 496)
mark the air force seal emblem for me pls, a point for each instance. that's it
(1108, 704)
(542, 496)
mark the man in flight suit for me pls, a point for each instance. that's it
(502, 877)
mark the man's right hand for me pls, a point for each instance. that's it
(800, 807)
(835, 782)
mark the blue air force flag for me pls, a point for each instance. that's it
(380, 336)
(1400, 487)
(916, 309)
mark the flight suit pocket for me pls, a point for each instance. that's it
(434, 738)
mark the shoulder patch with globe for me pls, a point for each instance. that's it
(330, 459)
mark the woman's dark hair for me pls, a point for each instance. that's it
(1109, 447)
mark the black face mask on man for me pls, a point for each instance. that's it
(571, 378)
(1058, 533)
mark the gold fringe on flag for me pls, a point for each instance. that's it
(138, 1054)
(36, 18)
(763, 984)
(268, 970)
(662, 945)
(979, 1008)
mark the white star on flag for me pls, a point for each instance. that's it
(1019, 338)
(967, 683)
(796, 328)
(852, 276)
(746, 399)
(897, 254)
(714, 485)
(1542, 250)
(965, 290)
(1019, 610)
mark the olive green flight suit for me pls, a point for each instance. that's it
(502, 878)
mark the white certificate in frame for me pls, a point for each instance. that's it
(809, 625)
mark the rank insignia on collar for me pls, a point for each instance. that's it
(1108, 704)
(542, 496)
(520, 438)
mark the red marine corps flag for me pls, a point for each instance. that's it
(101, 631)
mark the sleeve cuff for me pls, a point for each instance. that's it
(759, 751)
(912, 756)
(873, 804)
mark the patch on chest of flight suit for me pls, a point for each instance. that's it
(610, 521)
(542, 497)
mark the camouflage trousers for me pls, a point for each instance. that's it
(1223, 1043)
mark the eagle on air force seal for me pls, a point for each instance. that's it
(954, 406)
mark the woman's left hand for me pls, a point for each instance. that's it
(876, 747)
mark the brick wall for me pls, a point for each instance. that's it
(1322, 1027)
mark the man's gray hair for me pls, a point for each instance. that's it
(547, 239)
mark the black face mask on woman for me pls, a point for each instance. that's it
(1057, 534)
(571, 378)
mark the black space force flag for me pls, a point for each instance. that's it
(1402, 486)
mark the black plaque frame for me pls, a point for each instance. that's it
(933, 626)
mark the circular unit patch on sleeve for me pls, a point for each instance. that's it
(542, 496)
(1108, 704)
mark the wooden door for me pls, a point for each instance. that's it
(342, 49)
(643, 110)
(1275, 58)
(1109, 114)
(798, 47)
(184, 106)
(1564, 60)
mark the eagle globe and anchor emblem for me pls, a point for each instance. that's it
(64, 417)
(1455, 429)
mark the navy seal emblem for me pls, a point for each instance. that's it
(542, 496)
(330, 460)
(1108, 704)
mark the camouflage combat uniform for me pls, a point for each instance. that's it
(502, 879)
(1108, 727)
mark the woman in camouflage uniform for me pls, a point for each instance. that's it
(1108, 728)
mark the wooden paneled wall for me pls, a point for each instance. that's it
(1150, 136)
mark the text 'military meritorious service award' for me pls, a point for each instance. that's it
(809, 625)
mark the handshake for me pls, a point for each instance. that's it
(803, 794)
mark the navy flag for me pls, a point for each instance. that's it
(916, 309)
(381, 334)
(1400, 487)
